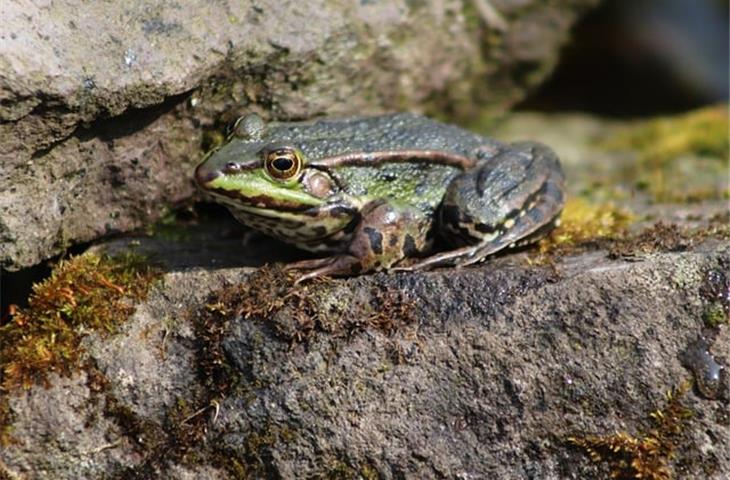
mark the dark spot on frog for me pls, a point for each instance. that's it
(485, 228)
(389, 177)
(340, 211)
(422, 188)
(352, 225)
(293, 224)
(375, 238)
(393, 240)
(450, 215)
(535, 216)
(319, 231)
(409, 246)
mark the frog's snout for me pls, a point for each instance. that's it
(204, 174)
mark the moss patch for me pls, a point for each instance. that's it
(294, 314)
(647, 455)
(583, 223)
(586, 225)
(84, 293)
(715, 290)
(664, 237)
(321, 305)
(336, 469)
(254, 458)
(678, 159)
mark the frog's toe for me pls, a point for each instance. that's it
(452, 258)
(339, 265)
(312, 264)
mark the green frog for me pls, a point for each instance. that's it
(377, 193)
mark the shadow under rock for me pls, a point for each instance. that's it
(212, 242)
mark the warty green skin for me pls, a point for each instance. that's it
(374, 192)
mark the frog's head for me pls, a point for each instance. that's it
(255, 172)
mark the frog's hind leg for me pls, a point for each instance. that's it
(510, 199)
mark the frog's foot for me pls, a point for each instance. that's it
(337, 265)
(472, 254)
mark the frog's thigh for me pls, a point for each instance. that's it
(510, 199)
(385, 235)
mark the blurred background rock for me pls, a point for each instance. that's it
(637, 58)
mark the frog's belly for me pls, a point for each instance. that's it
(303, 232)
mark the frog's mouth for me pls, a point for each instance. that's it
(252, 191)
(258, 204)
(342, 214)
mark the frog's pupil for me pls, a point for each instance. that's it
(282, 163)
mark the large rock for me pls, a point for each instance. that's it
(103, 106)
(477, 373)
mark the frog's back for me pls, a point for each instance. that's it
(420, 182)
(324, 138)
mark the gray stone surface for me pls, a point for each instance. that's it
(103, 105)
(501, 364)
(52, 434)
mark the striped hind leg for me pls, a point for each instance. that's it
(509, 199)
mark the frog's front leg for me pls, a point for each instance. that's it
(385, 235)
(509, 199)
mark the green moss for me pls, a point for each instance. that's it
(320, 305)
(587, 225)
(368, 472)
(84, 293)
(647, 455)
(338, 469)
(678, 159)
(253, 459)
(715, 290)
(584, 222)
(714, 315)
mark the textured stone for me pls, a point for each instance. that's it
(103, 106)
(503, 363)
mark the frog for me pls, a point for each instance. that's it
(393, 192)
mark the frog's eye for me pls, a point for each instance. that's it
(283, 163)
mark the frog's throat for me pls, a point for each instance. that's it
(262, 195)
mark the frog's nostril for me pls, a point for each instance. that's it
(232, 167)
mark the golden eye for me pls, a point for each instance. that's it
(283, 163)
